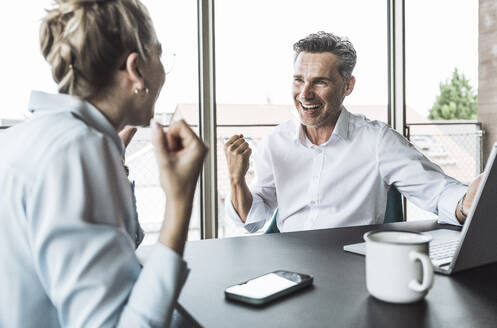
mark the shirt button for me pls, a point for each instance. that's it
(319, 150)
(315, 177)
(313, 202)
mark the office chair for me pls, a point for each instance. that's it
(393, 212)
(273, 227)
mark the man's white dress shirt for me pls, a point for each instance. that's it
(343, 182)
(69, 228)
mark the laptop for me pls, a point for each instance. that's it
(476, 244)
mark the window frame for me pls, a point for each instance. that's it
(207, 99)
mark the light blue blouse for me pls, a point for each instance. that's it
(69, 228)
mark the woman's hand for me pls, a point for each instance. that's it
(180, 154)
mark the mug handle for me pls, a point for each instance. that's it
(427, 272)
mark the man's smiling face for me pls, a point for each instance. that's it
(318, 88)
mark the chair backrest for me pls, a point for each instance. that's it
(273, 226)
(393, 212)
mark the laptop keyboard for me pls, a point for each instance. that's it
(442, 247)
(442, 252)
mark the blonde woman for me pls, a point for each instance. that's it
(69, 228)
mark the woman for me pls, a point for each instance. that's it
(69, 227)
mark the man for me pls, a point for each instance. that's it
(333, 168)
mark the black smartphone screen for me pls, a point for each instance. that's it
(267, 287)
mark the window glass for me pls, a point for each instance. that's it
(24, 68)
(254, 66)
(440, 41)
(176, 26)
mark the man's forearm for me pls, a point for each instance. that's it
(241, 198)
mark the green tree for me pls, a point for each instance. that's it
(457, 100)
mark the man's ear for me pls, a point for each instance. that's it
(350, 86)
(133, 71)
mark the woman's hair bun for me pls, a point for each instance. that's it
(84, 40)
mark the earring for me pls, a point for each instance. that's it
(144, 91)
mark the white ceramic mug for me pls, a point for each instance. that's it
(398, 269)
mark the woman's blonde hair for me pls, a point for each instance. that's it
(85, 40)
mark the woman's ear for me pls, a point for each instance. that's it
(133, 71)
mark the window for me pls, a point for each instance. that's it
(439, 41)
(24, 67)
(254, 67)
(179, 96)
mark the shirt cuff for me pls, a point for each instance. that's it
(447, 204)
(253, 222)
(158, 286)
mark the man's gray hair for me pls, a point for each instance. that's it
(327, 42)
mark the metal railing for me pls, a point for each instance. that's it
(456, 146)
(149, 195)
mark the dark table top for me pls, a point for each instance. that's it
(338, 298)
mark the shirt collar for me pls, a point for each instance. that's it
(44, 103)
(341, 128)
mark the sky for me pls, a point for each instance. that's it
(254, 57)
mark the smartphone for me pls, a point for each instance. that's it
(265, 288)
